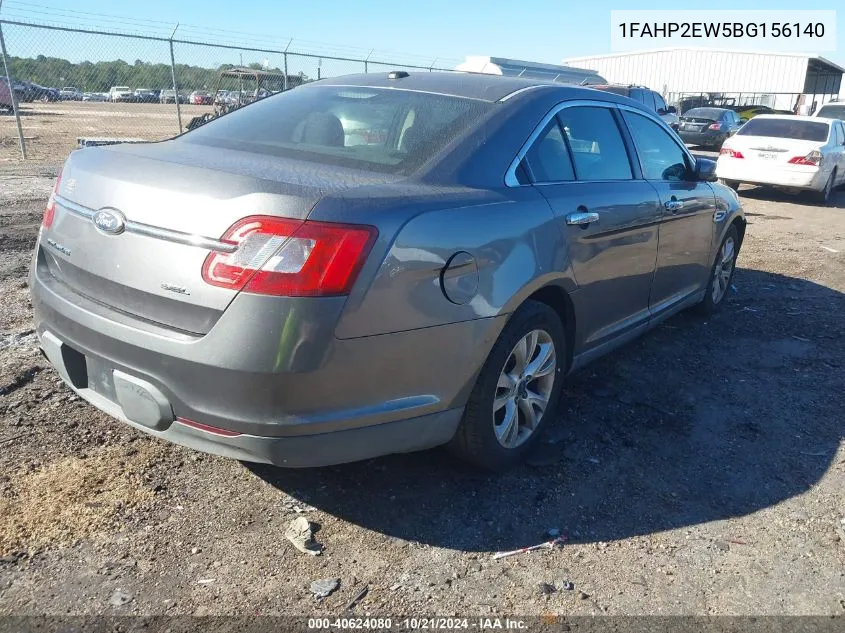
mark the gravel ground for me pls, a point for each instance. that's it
(51, 130)
(698, 470)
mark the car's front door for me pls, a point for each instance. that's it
(608, 219)
(687, 227)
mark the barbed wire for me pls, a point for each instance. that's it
(46, 15)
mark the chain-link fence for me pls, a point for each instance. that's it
(749, 104)
(71, 87)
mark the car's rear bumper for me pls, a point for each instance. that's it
(267, 388)
(139, 403)
(758, 173)
(702, 138)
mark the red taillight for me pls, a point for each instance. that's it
(50, 211)
(732, 153)
(813, 159)
(292, 258)
(715, 126)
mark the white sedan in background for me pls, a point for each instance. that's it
(797, 153)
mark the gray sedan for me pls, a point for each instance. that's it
(374, 264)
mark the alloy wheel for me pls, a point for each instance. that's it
(723, 270)
(524, 388)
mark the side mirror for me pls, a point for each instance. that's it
(743, 120)
(705, 170)
(672, 110)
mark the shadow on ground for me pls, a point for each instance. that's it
(771, 194)
(697, 421)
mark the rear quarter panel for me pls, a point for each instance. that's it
(510, 236)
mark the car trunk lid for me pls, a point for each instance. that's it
(772, 149)
(695, 124)
(175, 200)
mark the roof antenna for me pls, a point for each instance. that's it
(584, 81)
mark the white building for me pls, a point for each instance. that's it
(534, 70)
(774, 79)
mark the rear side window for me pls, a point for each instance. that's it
(786, 128)
(598, 150)
(548, 158)
(392, 131)
(661, 158)
(840, 134)
(648, 100)
(831, 111)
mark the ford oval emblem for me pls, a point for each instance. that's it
(110, 221)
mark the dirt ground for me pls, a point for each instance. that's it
(51, 130)
(698, 470)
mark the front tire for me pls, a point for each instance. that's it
(733, 184)
(721, 273)
(516, 392)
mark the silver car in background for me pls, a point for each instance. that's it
(374, 264)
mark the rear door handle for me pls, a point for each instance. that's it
(674, 205)
(582, 218)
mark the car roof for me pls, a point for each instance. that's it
(468, 85)
(794, 117)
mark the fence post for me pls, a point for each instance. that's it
(173, 76)
(10, 80)
(285, 56)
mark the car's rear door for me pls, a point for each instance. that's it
(607, 217)
(838, 150)
(688, 207)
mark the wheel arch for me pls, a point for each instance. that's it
(558, 299)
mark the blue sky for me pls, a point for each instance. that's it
(536, 30)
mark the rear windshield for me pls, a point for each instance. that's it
(386, 130)
(703, 113)
(786, 128)
(832, 111)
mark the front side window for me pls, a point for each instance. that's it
(598, 150)
(659, 103)
(648, 100)
(548, 158)
(661, 158)
(393, 131)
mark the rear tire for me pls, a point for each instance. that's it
(824, 196)
(516, 392)
(721, 274)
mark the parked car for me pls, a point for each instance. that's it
(42, 93)
(748, 112)
(70, 94)
(145, 95)
(832, 110)
(96, 96)
(170, 96)
(364, 300)
(651, 99)
(121, 94)
(198, 97)
(708, 127)
(787, 151)
(5, 95)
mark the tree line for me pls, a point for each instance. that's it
(55, 72)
